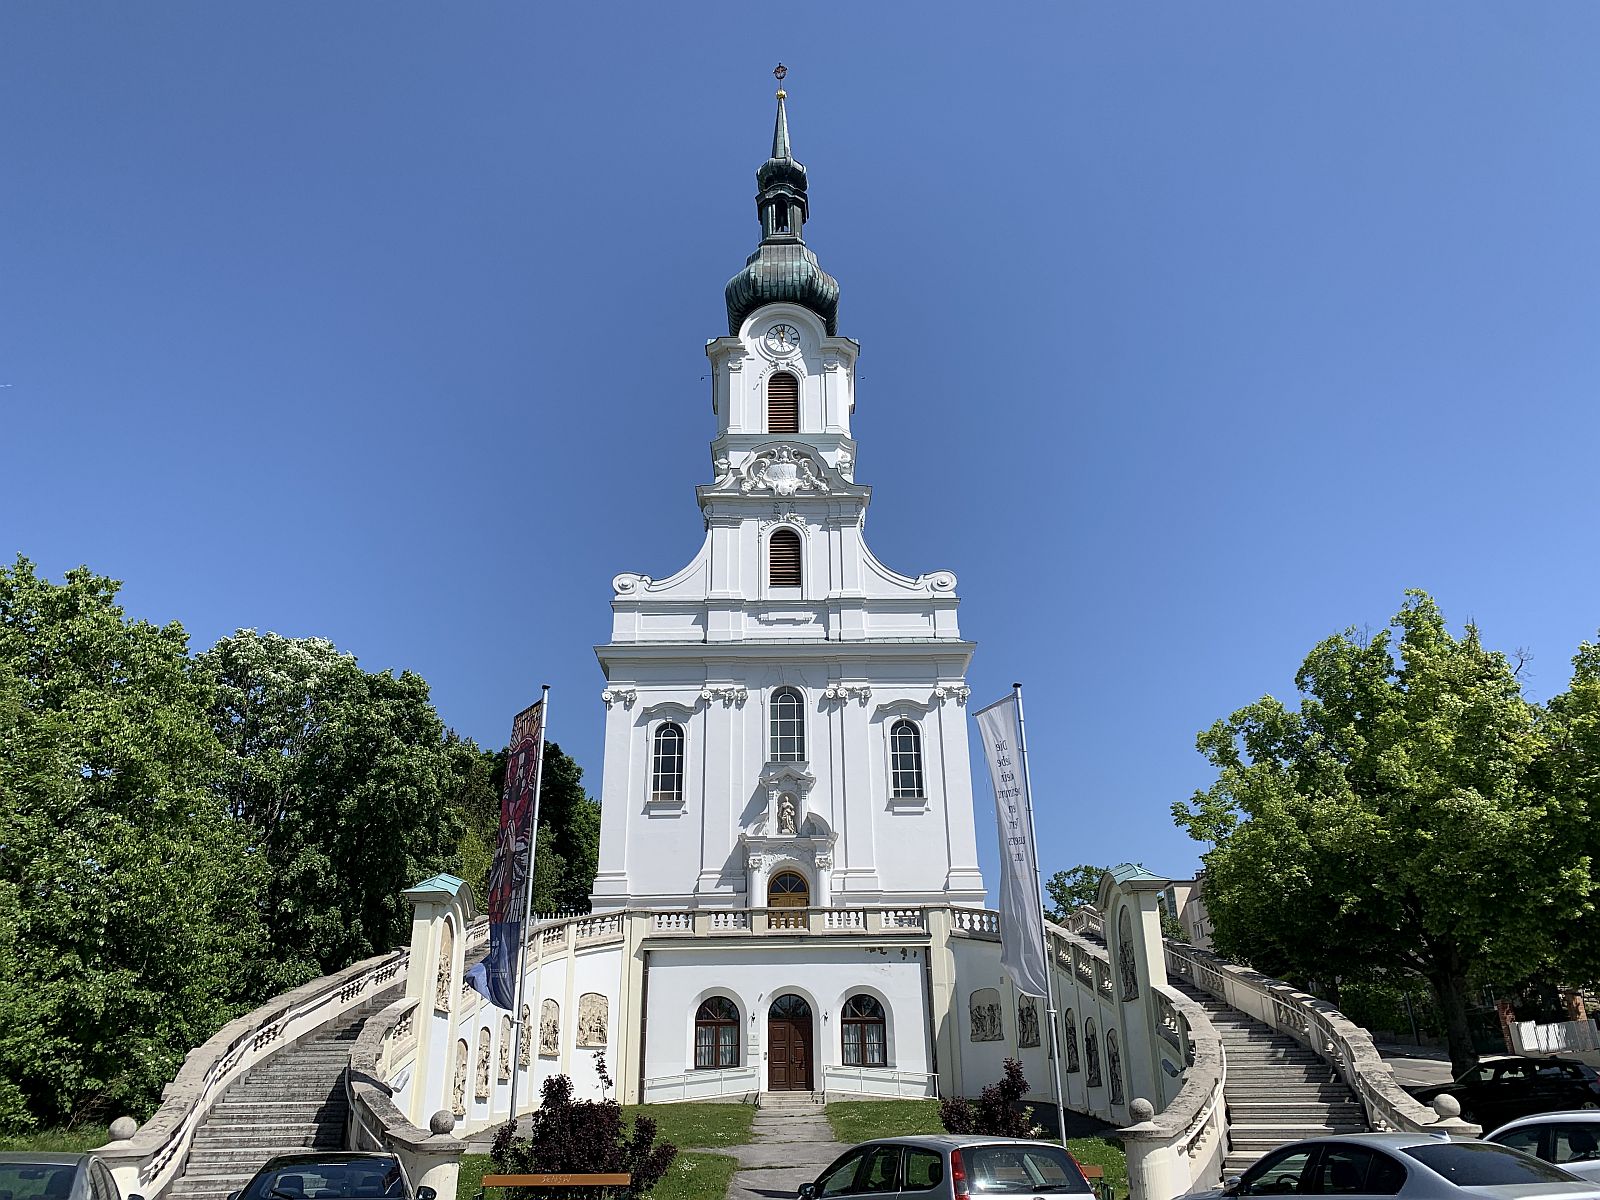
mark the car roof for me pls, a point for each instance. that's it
(45, 1158)
(328, 1156)
(1394, 1141)
(957, 1141)
(1588, 1116)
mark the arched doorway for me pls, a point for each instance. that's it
(789, 1044)
(788, 889)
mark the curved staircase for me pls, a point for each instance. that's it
(1276, 1090)
(294, 1101)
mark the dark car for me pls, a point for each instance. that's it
(34, 1175)
(949, 1167)
(331, 1176)
(1501, 1089)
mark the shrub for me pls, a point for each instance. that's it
(999, 1111)
(582, 1136)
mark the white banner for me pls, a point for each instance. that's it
(1021, 915)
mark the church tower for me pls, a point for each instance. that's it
(786, 722)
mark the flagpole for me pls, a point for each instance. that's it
(1049, 957)
(526, 929)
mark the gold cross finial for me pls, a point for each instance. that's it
(778, 73)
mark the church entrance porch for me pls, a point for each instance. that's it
(789, 1039)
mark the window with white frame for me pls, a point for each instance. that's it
(788, 726)
(666, 764)
(905, 759)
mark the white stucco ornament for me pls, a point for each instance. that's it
(784, 471)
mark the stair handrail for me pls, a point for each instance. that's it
(146, 1163)
(1343, 1044)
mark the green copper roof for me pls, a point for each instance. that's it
(782, 268)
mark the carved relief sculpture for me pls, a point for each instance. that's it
(592, 1008)
(525, 1038)
(458, 1088)
(787, 822)
(1027, 1021)
(1125, 959)
(482, 1090)
(549, 1029)
(505, 1048)
(1091, 1053)
(1070, 1026)
(784, 472)
(447, 954)
(984, 1010)
(1114, 1066)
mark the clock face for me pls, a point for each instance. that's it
(782, 339)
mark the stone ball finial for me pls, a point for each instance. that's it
(1141, 1109)
(443, 1121)
(123, 1128)
(1446, 1106)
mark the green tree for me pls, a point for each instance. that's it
(345, 779)
(128, 899)
(471, 792)
(1073, 889)
(1393, 822)
(1570, 774)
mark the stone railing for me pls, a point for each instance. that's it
(146, 1162)
(1181, 1148)
(432, 1156)
(978, 922)
(1346, 1046)
(711, 922)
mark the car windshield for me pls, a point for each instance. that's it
(1484, 1164)
(998, 1170)
(369, 1177)
(28, 1181)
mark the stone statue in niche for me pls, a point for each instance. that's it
(591, 1020)
(505, 1048)
(1027, 1021)
(525, 1037)
(482, 1091)
(984, 1011)
(549, 1028)
(458, 1089)
(447, 954)
(788, 819)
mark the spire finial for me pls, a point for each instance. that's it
(780, 129)
(778, 73)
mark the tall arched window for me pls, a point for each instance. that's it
(905, 758)
(783, 559)
(788, 889)
(1114, 1066)
(865, 1040)
(788, 726)
(666, 764)
(1091, 1053)
(1071, 1027)
(716, 1034)
(783, 403)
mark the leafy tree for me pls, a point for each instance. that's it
(470, 790)
(581, 1137)
(1392, 822)
(1570, 774)
(1073, 889)
(345, 780)
(998, 1112)
(128, 899)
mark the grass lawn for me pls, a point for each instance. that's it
(85, 1137)
(697, 1124)
(862, 1120)
(691, 1176)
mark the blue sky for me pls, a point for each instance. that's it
(384, 323)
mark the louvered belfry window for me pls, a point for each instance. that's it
(783, 403)
(783, 559)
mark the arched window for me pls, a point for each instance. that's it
(716, 1034)
(783, 403)
(666, 764)
(865, 1040)
(788, 726)
(1125, 959)
(783, 559)
(1071, 1027)
(1091, 1053)
(905, 758)
(1114, 1066)
(788, 889)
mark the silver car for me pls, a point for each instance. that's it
(1417, 1165)
(41, 1175)
(949, 1167)
(1570, 1140)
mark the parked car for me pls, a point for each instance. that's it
(1501, 1089)
(1416, 1166)
(35, 1175)
(951, 1167)
(335, 1175)
(1571, 1140)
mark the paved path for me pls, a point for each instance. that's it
(788, 1148)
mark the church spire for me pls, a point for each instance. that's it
(782, 268)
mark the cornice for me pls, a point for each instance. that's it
(765, 651)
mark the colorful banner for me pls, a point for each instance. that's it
(1021, 911)
(508, 876)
